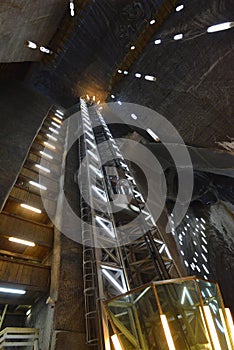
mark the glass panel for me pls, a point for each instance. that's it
(211, 298)
(181, 305)
(170, 316)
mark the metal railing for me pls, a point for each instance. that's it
(19, 337)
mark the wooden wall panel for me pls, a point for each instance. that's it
(23, 229)
(34, 277)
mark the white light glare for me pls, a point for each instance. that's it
(178, 36)
(167, 332)
(157, 41)
(113, 281)
(21, 241)
(152, 134)
(116, 343)
(44, 49)
(230, 322)
(120, 103)
(219, 27)
(59, 112)
(119, 71)
(56, 125)
(133, 47)
(28, 312)
(42, 168)
(179, 8)
(13, 291)
(211, 326)
(138, 75)
(72, 8)
(46, 155)
(31, 44)
(33, 183)
(113, 96)
(150, 78)
(51, 137)
(29, 207)
(54, 131)
(58, 115)
(57, 120)
(47, 144)
(152, 21)
(125, 72)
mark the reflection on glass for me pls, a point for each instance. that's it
(177, 314)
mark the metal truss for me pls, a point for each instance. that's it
(112, 267)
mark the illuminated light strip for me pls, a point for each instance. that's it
(141, 295)
(93, 155)
(54, 131)
(205, 268)
(59, 112)
(102, 222)
(89, 134)
(13, 291)
(204, 257)
(42, 168)
(100, 192)
(52, 137)
(29, 207)
(28, 312)
(31, 44)
(46, 155)
(220, 26)
(208, 292)
(179, 8)
(186, 294)
(168, 253)
(230, 322)
(211, 327)
(146, 213)
(167, 332)
(72, 8)
(97, 171)
(116, 343)
(138, 194)
(178, 36)
(153, 135)
(130, 178)
(49, 145)
(225, 330)
(56, 125)
(33, 183)
(113, 281)
(91, 143)
(21, 241)
(162, 249)
(150, 78)
(57, 120)
(58, 115)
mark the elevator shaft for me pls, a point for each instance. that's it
(122, 245)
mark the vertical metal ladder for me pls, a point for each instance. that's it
(112, 266)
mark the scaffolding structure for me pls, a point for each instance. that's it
(111, 267)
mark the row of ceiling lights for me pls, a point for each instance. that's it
(59, 114)
(179, 36)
